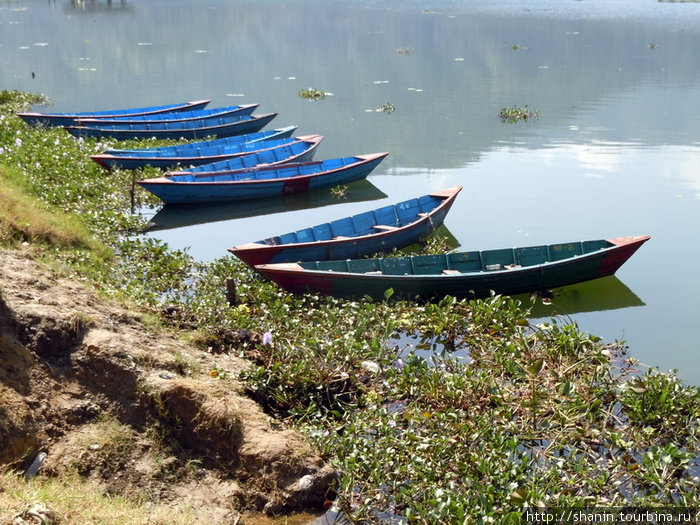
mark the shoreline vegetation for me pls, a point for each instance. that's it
(505, 416)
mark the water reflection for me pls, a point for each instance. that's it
(181, 215)
(607, 293)
(93, 6)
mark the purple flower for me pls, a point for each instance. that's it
(267, 338)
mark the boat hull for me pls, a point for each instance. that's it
(171, 116)
(255, 183)
(467, 284)
(71, 119)
(219, 127)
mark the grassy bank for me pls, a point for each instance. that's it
(513, 416)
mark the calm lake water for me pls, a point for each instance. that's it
(615, 150)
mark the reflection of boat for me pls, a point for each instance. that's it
(463, 274)
(69, 119)
(389, 227)
(181, 215)
(260, 182)
(171, 116)
(608, 293)
(198, 129)
(280, 149)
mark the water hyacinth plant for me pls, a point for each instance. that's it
(514, 114)
(500, 416)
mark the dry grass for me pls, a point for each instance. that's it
(80, 501)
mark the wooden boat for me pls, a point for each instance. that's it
(368, 233)
(197, 153)
(70, 119)
(178, 116)
(300, 149)
(466, 274)
(199, 129)
(187, 148)
(261, 181)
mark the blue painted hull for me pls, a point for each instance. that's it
(203, 155)
(70, 119)
(261, 182)
(220, 127)
(381, 230)
(170, 117)
(192, 149)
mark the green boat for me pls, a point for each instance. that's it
(471, 274)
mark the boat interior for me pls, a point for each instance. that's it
(387, 218)
(276, 172)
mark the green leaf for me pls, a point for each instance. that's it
(536, 366)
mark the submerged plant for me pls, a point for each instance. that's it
(339, 192)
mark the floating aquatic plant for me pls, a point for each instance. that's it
(312, 94)
(387, 108)
(514, 114)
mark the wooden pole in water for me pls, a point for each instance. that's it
(231, 292)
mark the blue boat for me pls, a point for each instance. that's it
(381, 230)
(177, 116)
(190, 154)
(301, 149)
(70, 119)
(198, 129)
(261, 181)
(187, 148)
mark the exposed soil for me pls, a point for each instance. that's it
(141, 412)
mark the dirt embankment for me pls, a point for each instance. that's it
(84, 381)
